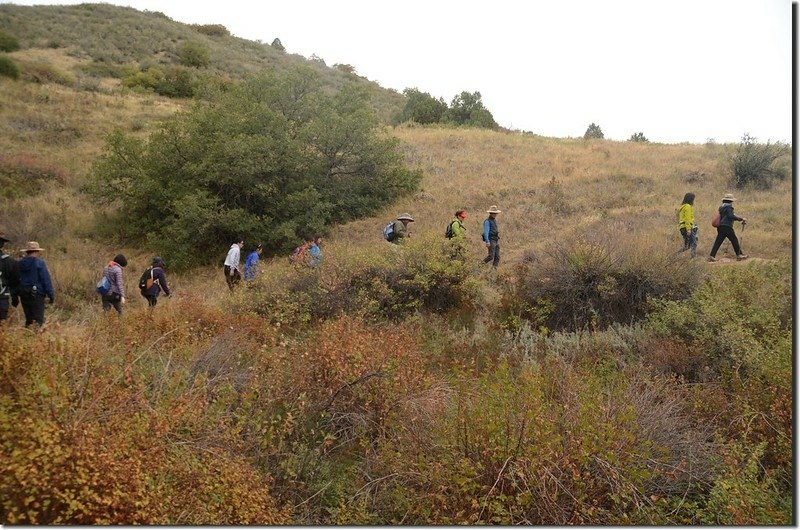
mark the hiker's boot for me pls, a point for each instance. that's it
(740, 257)
(712, 259)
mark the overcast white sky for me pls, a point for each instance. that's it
(676, 70)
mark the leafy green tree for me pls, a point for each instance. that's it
(467, 109)
(194, 54)
(481, 118)
(638, 137)
(272, 159)
(8, 42)
(758, 165)
(421, 107)
(593, 131)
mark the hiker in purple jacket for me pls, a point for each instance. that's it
(116, 294)
(158, 281)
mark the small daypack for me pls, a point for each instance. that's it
(388, 231)
(103, 286)
(146, 281)
(448, 233)
(715, 221)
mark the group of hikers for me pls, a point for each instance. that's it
(27, 281)
(397, 231)
(722, 221)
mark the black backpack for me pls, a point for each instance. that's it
(146, 281)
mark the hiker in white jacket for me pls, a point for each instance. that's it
(231, 267)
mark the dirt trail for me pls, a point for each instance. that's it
(734, 261)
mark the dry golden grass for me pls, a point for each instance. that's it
(614, 189)
(550, 190)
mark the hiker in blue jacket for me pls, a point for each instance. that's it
(314, 252)
(491, 236)
(251, 263)
(34, 285)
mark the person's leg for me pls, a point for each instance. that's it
(731, 235)
(685, 235)
(228, 277)
(4, 305)
(693, 242)
(489, 256)
(496, 259)
(718, 241)
(28, 309)
(34, 310)
(152, 300)
(106, 302)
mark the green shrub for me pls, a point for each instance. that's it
(212, 30)
(177, 82)
(467, 109)
(8, 68)
(421, 107)
(8, 42)
(194, 54)
(593, 131)
(389, 283)
(638, 137)
(593, 284)
(269, 160)
(148, 79)
(758, 165)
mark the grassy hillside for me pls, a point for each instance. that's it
(101, 38)
(392, 385)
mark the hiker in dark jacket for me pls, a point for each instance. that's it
(491, 236)
(725, 228)
(9, 278)
(159, 282)
(34, 285)
(116, 294)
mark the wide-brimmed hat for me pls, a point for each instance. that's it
(3, 237)
(493, 209)
(729, 197)
(32, 246)
(405, 216)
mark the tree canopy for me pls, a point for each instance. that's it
(272, 160)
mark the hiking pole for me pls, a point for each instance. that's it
(741, 239)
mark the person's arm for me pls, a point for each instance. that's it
(162, 281)
(44, 275)
(119, 282)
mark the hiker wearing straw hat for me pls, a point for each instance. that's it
(399, 229)
(9, 279)
(34, 284)
(491, 236)
(725, 228)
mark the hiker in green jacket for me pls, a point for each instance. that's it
(457, 234)
(457, 228)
